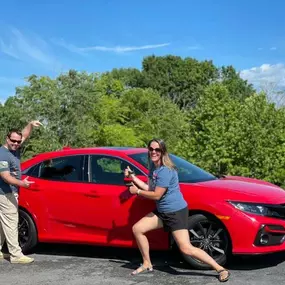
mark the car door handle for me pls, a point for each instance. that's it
(33, 188)
(92, 194)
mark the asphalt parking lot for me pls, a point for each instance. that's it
(84, 265)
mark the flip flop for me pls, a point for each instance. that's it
(220, 275)
(142, 269)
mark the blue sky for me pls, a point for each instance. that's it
(50, 37)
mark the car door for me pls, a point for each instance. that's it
(107, 176)
(73, 209)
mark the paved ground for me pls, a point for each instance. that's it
(72, 265)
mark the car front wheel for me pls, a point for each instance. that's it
(209, 235)
(27, 232)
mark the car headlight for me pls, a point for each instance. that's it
(252, 208)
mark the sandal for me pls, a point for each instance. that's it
(142, 269)
(220, 275)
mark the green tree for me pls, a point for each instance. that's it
(130, 77)
(260, 150)
(141, 110)
(210, 137)
(181, 80)
(238, 88)
(227, 136)
(206, 114)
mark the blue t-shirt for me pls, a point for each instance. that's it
(9, 161)
(172, 200)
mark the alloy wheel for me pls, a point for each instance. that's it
(210, 237)
(23, 229)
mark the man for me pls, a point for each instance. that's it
(10, 181)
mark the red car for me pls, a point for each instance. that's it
(80, 196)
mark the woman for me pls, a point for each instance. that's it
(171, 209)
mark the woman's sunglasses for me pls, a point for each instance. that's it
(150, 149)
(15, 141)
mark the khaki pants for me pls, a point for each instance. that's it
(9, 218)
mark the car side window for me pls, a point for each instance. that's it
(109, 170)
(66, 168)
(32, 171)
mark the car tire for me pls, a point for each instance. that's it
(28, 237)
(214, 242)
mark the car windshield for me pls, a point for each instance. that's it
(187, 172)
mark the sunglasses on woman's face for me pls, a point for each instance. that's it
(150, 149)
(15, 141)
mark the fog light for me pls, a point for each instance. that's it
(264, 239)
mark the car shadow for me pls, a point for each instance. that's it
(255, 262)
(166, 261)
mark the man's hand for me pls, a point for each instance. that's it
(36, 123)
(26, 183)
(28, 129)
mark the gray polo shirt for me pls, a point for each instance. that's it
(173, 199)
(9, 161)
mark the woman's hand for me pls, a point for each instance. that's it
(128, 172)
(133, 189)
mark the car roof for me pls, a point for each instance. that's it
(106, 150)
(126, 150)
(114, 150)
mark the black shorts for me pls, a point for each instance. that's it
(174, 221)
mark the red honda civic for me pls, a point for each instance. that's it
(80, 196)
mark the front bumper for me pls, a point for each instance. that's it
(269, 235)
(253, 234)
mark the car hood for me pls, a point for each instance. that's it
(244, 191)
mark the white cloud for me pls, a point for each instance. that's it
(29, 49)
(122, 49)
(265, 74)
(116, 49)
(272, 48)
(269, 78)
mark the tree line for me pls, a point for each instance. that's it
(207, 115)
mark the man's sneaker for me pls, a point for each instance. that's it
(21, 260)
(4, 255)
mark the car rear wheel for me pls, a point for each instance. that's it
(27, 232)
(210, 235)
